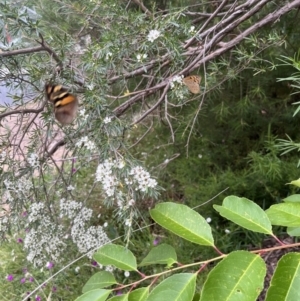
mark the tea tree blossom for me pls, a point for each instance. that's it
(33, 160)
(141, 57)
(192, 30)
(153, 35)
(84, 141)
(177, 79)
(107, 120)
(45, 242)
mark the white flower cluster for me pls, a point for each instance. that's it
(33, 160)
(18, 189)
(107, 175)
(153, 35)
(4, 222)
(87, 239)
(90, 145)
(176, 79)
(3, 155)
(69, 208)
(104, 174)
(142, 178)
(44, 241)
(36, 210)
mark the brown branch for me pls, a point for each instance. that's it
(25, 111)
(43, 47)
(21, 51)
(153, 107)
(206, 22)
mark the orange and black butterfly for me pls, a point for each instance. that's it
(193, 83)
(65, 104)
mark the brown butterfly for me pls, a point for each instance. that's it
(193, 83)
(65, 104)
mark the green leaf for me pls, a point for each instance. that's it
(119, 298)
(179, 287)
(293, 231)
(245, 213)
(140, 294)
(295, 198)
(285, 282)
(238, 277)
(116, 255)
(295, 182)
(94, 295)
(285, 214)
(184, 222)
(99, 280)
(162, 254)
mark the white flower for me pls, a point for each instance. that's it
(227, 231)
(128, 222)
(33, 160)
(107, 120)
(140, 57)
(83, 114)
(192, 29)
(77, 269)
(126, 274)
(176, 79)
(108, 55)
(70, 188)
(131, 202)
(90, 145)
(208, 219)
(153, 35)
(105, 224)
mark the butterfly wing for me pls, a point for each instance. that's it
(65, 104)
(193, 83)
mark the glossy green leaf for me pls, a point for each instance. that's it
(184, 222)
(179, 287)
(116, 255)
(285, 282)
(295, 198)
(162, 254)
(293, 231)
(94, 295)
(99, 280)
(285, 214)
(140, 294)
(119, 298)
(246, 214)
(238, 277)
